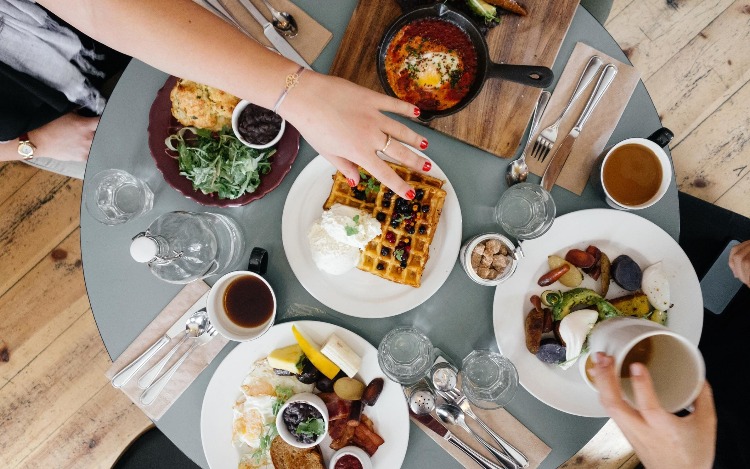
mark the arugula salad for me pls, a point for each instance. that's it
(218, 163)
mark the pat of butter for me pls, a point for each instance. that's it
(342, 355)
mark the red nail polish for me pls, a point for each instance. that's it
(351, 182)
(427, 166)
(411, 194)
(423, 145)
(417, 112)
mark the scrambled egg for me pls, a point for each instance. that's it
(432, 69)
(202, 106)
(253, 410)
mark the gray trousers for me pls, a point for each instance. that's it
(74, 169)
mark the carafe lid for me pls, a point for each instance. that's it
(143, 248)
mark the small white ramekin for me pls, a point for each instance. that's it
(235, 127)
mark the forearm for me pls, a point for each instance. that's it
(9, 151)
(183, 39)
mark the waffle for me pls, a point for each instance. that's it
(388, 256)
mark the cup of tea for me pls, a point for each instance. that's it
(635, 173)
(241, 305)
(675, 364)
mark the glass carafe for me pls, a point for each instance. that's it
(180, 247)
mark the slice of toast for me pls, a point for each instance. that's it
(286, 456)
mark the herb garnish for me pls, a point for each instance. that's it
(269, 433)
(219, 163)
(372, 184)
(311, 426)
(352, 230)
(399, 254)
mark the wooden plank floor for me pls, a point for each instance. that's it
(59, 412)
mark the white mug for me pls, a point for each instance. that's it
(217, 313)
(654, 143)
(675, 364)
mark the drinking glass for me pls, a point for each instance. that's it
(525, 211)
(488, 379)
(405, 355)
(114, 196)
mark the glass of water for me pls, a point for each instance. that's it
(525, 211)
(405, 355)
(488, 379)
(114, 196)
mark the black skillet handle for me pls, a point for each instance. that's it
(661, 137)
(530, 75)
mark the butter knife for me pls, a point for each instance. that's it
(273, 36)
(429, 421)
(563, 151)
(124, 375)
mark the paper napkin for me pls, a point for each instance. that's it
(600, 125)
(192, 297)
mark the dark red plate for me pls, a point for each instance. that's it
(161, 125)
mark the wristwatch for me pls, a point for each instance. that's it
(25, 147)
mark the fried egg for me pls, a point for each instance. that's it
(432, 69)
(253, 410)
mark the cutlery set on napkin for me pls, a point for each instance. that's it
(568, 161)
(499, 454)
(180, 337)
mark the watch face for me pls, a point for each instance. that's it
(25, 149)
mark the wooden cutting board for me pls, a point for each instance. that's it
(496, 120)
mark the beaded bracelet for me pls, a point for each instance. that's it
(291, 81)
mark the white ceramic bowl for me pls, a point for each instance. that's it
(235, 119)
(307, 398)
(355, 451)
(465, 259)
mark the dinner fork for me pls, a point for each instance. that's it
(457, 397)
(153, 391)
(546, 139)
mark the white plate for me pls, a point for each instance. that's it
(389, 415)
(615, 233)
(358, 293)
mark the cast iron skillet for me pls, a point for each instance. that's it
(530, 75)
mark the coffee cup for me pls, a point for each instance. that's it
(675, 364)
(241, 305)
(635, 173)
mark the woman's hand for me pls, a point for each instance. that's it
(739, 262)
(660, 439)
(345, 123)
(66, 138)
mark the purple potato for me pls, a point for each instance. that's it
(626, 273)
(551, 352)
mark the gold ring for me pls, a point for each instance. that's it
(387, 142)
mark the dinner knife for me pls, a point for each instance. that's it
(272, 35)
(563, 151)
(124, 375)
(429, 421)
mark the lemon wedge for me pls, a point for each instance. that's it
(312, 352)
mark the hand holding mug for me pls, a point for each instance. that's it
(659, 438)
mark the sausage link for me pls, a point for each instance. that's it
(553, 275)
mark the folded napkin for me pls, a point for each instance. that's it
(309, 42)
(590, 143)
(191, 298)
(499, 420)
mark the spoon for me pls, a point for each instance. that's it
(453, 415)
(517, 171)
(282, 21)
(194, 326)
(445, 381)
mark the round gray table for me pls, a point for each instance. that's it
(125, 297)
